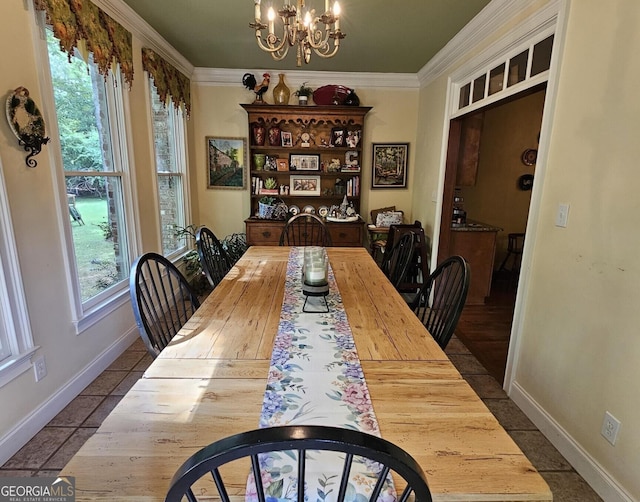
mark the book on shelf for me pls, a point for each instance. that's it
(353, 186)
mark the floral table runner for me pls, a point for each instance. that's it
(315, 378)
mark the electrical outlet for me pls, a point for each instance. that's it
(610, 427)
(39, 368)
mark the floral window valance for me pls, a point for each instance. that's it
(169, 81)
(76, 21)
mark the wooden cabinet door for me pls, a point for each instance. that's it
(478, 249)
(469, 154)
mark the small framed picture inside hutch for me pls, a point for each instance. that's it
(305, 162)
(226, 163)
(304, 185)
(282, 164)
(287, 139)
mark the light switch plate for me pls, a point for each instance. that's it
(563, 215)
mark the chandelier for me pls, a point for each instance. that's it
(301, 28)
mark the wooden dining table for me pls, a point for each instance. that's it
(210, 381)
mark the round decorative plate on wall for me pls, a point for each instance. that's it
(26, 123)
(529, 156)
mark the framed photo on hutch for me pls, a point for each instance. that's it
(304, 185)
(226, 163)
(287, 140)
(389, 169)
(282, 164)
(303, 162)
(338, 136)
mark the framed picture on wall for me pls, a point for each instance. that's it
(226, 163)
(389, 168)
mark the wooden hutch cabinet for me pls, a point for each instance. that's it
(313, 153)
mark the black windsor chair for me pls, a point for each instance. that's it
(161, 298)
(302, 438)
(442, 298)
(399, 258)
(305, 230)
(214, 259)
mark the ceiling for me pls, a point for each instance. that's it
(382, 36)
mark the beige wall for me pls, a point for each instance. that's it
(392, 119)
(580, 345)
(579, 348)
(40, 247)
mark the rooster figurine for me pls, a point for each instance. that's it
(250, 82)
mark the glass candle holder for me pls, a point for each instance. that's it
(315, 269)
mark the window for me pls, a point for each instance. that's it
(523, 66)
(169, 147)
(90, 120)
(16, 343)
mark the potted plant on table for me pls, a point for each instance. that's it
(303, 93)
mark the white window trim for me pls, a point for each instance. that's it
(113, 298)
(483, 68)
(14, 316)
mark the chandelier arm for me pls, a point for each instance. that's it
(322, 40)
(327, 55)
(270, 47)
(280, 55)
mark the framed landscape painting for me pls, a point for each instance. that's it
(389, 168)
(226, 163)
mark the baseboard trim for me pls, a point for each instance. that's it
(22, 432)
(592, 472)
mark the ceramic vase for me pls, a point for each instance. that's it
(259, 160)
(281, 93)
(274, 136)
(258, 134)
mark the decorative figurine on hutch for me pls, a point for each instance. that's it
(352, 99)
(250, 82)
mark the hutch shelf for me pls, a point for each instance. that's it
(313, 153)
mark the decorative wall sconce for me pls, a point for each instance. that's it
(27, 123)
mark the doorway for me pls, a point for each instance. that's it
(496, 196)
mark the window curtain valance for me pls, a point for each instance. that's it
(169, 81)
(74, 21)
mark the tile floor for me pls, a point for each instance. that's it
(48, 452)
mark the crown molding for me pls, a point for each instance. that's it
(130, 19)
(490, 19)
(232, 77)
